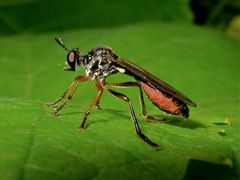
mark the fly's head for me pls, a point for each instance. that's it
(74, 59)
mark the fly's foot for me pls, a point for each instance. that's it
(97, 106)
(152, 119)
(81, 128)
(48, 105)
(148, 141)
(55, 113)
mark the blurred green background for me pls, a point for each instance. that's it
(193, 45)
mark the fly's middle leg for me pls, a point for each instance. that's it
(94, 103)
(99, 87)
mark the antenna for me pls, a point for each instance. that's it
(61, 43)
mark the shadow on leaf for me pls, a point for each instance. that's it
(205, 170)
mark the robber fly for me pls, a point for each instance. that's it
(101, 62)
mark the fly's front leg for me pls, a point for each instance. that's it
(133, 116)
(78, 80)
(64, 94)
(95, 102)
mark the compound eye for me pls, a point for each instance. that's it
(71, 57)
(71, 60)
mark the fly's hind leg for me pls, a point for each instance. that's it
(143, 107)
(149, 118)
(133, 116)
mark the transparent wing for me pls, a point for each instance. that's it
(144, 76)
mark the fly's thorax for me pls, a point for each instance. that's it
(100, 63)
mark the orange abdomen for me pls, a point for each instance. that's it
(164, 102)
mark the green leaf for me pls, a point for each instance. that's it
(202, 63)
(52, 15)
